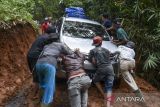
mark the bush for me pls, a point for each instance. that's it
(16, 10)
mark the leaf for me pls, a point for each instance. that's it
(151, 62)
(153, 15)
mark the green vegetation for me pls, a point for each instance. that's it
(141, 19)
(16, 10)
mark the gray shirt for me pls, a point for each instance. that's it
(101, 56)
(52, 51)
(102, 60)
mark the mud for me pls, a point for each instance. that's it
(151, 96)
(19, 99)
(14, 44)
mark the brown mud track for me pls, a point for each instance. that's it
(152, 96)
(16, 88)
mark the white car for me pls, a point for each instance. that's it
(78, 33)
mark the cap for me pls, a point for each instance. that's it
(97, 40)
(130, 44)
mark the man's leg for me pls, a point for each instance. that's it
(108, 99)
(35, 85)
(99, 87)
(84, 98)
(98, 77)
(47, 82)
(108, 91)
(74, 93)
(75, 98)
(36, 91)
(85, 83)
(49, 79)
(107, 94)
(32, 63)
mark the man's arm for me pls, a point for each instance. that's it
(121, 39)
(77, 51)
(91, 54)
(115, 40)
(108, 29)
(91, 57)
(115, 53)
(119, 42)
(66, 50)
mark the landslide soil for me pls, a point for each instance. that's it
(16, 89)
(14, 44)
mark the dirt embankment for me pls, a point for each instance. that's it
(14, 44)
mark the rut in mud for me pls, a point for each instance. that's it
(16, 85)
(25, 98)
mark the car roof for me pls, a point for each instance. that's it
(81, 20)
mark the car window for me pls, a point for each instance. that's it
(83, 30)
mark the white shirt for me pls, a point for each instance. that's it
(126, 53)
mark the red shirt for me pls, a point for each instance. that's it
(44, 26)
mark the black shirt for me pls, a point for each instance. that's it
(38, 45)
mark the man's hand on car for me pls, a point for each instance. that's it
(77, 50)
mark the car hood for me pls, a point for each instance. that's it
(85, 44)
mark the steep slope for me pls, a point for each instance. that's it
(14, 44)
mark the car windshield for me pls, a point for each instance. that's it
(83, 30)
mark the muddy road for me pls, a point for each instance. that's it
(24, 97)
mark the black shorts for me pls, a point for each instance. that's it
(104, 74)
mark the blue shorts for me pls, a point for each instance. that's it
(108, 84)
